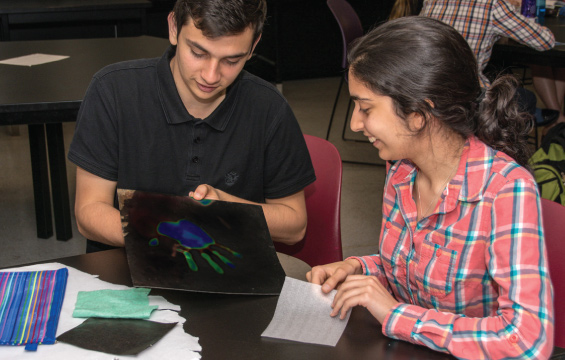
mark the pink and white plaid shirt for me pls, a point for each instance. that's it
(484, 22)
(472, 277)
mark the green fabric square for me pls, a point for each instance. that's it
(124, 304)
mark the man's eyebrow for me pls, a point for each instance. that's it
(201, 48)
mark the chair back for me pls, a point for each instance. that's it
(322, 242)
(348, 22)
(554, 231)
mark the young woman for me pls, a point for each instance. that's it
(462, 266)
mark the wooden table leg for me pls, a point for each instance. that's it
(59, 184)
(40, 175)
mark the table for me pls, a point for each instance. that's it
(50, 19)
(507, 52)
(44, 96)
(230, 326)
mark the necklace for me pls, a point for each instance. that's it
(436, 196)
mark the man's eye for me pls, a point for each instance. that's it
(231, 62)
(197, 55)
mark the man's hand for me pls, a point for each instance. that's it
(207, 192)
(286, 216)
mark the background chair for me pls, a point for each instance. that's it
(554, 228)
(322, 242)
(351, 29)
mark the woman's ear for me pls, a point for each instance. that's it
(416, 121)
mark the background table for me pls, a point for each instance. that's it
(45, 96)
(230, 326)
(56, 19)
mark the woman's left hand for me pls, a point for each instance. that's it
(366, 291)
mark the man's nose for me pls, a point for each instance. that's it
(211, 72)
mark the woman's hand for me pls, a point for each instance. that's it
(366, 291)
(331, 275)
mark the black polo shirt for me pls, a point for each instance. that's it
(133, 128)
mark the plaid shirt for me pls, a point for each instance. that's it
(484, 22)
(472, 278)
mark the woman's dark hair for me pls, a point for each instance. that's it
(428, 68)
(222, 17)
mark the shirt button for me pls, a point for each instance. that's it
(195, 159)
(388, 225)
(438, 252)
(513, 338)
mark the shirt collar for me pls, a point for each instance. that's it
(468, 183)
(173, 107)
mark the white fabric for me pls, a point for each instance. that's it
(175, 345)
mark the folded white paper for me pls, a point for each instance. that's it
(303, 314)
(33, 59)
(175, 345)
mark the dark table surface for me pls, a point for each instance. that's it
(230, 326)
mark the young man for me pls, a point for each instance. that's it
(191, 123)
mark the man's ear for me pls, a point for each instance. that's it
(253, 48)
(173, 35)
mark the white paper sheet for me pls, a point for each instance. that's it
(303, 314)
(33, 59)
(175, 345)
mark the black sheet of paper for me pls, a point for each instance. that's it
(176, 242)
(116, 336)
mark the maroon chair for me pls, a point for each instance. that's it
(322, 242)
(554, 231)
(351, 29)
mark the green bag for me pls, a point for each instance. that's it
(548, 163)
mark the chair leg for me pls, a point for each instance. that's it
(346, 120)
(536, 135)
(335, 106)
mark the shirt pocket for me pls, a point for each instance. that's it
(435, 272)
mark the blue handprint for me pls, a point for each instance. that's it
(189, 237)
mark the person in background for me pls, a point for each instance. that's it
(402, 8)
(462, 266)
(483, 22)
(191, 123)
(549, 83)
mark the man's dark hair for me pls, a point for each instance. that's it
(221, 17)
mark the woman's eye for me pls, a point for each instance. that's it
(364, 111)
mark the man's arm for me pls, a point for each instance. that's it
(515, 26)
(286, 216)
(97, 218)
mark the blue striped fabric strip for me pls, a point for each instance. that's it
(30, 306)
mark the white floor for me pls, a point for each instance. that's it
(311, 101)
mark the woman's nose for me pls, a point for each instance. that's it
(356, 123)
